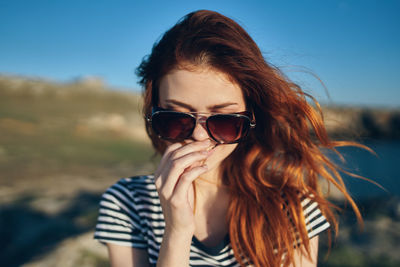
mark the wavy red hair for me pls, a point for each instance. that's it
(280, 161)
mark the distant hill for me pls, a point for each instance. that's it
(362, 122)
(82, 106)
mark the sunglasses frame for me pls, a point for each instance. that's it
(203, 120)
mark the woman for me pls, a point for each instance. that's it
(238, 181)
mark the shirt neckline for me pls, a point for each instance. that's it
(213, 250)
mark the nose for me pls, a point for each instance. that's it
(200, 132)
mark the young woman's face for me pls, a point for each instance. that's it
(206, 90)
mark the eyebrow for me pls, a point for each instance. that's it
(217, 106)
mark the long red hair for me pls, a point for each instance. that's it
(269, 173)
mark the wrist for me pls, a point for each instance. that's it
(175, 248)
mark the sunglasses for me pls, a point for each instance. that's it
(223, 128)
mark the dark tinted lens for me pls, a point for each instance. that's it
(173, 125)
(228, 128)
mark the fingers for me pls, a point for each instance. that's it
(180, 166)
(176, 161)
(168, 152)
(191, 147)
(185, 181)
(177, 150)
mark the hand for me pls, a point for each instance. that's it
(178, 168)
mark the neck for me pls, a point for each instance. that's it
(210, 181)
(207, 187)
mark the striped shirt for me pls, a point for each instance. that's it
(130, 214)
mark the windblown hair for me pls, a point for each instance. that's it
(279, 163)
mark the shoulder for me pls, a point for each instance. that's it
(135, 182)
(304, 207)
(122, 209)
(132, 185)
(314, 219)
(129, 193)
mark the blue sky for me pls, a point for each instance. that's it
(352, 46)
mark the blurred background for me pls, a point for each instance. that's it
(71, 124)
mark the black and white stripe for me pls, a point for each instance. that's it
(130, 215)
(315, 221)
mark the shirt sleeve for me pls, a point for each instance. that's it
(314, 219)
(119, 221)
